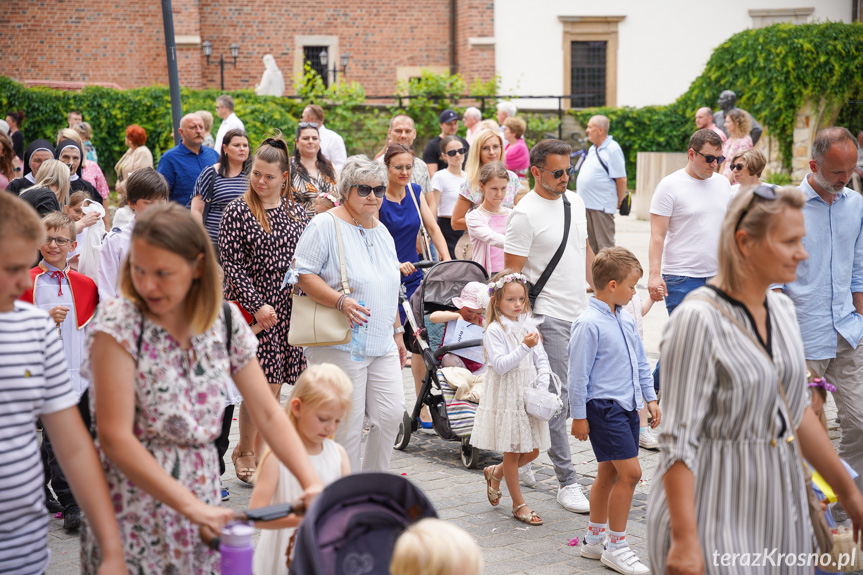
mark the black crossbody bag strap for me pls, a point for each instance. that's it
(208, 200)
(601, 162)
(536, 288)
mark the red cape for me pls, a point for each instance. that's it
(84, 293)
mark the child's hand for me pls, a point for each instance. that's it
(655, 414)
(89, 219)
(58, 313)
(531, 339)
(580, 429)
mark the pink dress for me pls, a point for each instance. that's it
(731, 148)
(93, 174)
(487, 232)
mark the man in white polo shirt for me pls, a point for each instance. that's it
(534, 233)
(332, 144)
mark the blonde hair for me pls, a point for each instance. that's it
(754, 160)
(54, 173)
(18, 219)
(492, 313)
(172, 228)
(207, 118)
(436, 547)
(614, 263)
(474, 160)
(60, 221)
(273, 150)
(757, 223)
(741, 122)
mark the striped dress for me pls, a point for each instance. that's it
(722, 411)
(224, 191)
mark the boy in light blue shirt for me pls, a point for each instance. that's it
(608, 375)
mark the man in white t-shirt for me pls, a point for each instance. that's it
(534, 232)
(230, 121)
(332, 144)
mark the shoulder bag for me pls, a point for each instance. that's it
(626, 202)
(424, 235)
(314, 324)
(208, 199)
(536, 289)
(540, 402)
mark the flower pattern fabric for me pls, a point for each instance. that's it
(179, 400)
(305, 188)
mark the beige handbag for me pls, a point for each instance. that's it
(314, 324)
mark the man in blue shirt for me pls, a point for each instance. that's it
(182, 164)
(601, 183)
(828, 291)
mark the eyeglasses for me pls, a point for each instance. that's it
(364, 190)
(710, 159)
(763, 193)
(459, 152)
(558, 174)
(737, 167)
(494, 147)
(307, 125)
(59, 241)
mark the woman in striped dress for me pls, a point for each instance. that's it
(737, 420)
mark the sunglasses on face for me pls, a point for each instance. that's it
(558, 174)
(454, 153)
(710, 159)
(363, 190)
(737, 167)
(762, 193)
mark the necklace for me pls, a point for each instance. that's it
(369, 242)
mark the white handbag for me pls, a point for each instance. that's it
(538, 401)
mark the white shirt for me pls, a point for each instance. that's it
(696, 209)
(114, 250)
(232, 122)
(448, 184)
(333, 148)
(534, 230)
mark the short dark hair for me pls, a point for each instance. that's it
(827, 137)
(540, 152)
(704, 136)
(226, 101)
(317, 112)
(146, 184)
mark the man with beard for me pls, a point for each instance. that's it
(403, 131)
(828, 291)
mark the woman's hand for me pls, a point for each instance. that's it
(266, 316)
(852, 503)
(209, 516)
(407, 268)
(685, 557)
(112, 566)
(58, 313)
(357, 314)
(531, 339)
(403, 352)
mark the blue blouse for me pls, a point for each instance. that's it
(403, 222)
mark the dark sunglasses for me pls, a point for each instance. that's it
(557, 174)
(761, 193)
(307, 125)
(737, 167)
(710, 159)
(452, 153)
(364, 190)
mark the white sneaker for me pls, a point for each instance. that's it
(526, 476)
(647, 440)
(624, 560)
(593, 551)
(572, 499)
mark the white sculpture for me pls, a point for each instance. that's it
(272, 82)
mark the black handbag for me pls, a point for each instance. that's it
(626, 204)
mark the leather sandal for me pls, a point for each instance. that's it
(493, 494)
(244, 474)
(531, 519)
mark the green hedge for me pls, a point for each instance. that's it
(773, 71)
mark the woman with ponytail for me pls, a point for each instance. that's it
(257, 238)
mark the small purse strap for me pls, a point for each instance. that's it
(423, 231)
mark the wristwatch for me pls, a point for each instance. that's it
(398, 330)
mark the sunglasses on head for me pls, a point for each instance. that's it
(763, 193)
(453, 153)
(557, 174)
(710, 159)
(302, 125)
(363, 190)
(737, 167)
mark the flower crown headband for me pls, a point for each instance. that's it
(508, 278)
(330, 197)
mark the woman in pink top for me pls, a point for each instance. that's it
(738, 125)
(487, 223)
(517, 155)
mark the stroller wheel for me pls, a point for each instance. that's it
(404, 435)
(469, 453)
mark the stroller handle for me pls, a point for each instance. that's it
(212, 540)
(444, 349)
(423, 264)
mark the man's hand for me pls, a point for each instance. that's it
(580, 429)
(656, 288)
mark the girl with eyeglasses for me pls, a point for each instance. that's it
(445, 185)
(312, 173)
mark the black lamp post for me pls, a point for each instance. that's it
(207, 46)
(325, 59)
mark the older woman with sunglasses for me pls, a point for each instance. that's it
(730, 477)
(373, 276)
(746, 169)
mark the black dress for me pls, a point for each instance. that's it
(43, 200)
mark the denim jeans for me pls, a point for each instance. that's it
(676, 288)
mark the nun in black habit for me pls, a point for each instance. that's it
(37, 152)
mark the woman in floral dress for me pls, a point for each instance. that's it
(312, 174)
(257, 237)
(162, 361)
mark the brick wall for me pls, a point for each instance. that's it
(122, 42)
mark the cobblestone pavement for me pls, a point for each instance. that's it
(509, 547)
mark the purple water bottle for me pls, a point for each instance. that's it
(237, 549)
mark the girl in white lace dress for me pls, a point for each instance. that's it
(514, 356)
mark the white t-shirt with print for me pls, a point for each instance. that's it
(696, 208)
(448, 185)
(534, 230)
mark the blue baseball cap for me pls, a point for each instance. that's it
(448, 116)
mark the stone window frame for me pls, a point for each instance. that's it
(767, 16)
(592, 29)
(333, 52)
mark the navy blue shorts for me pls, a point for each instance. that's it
(613, 430)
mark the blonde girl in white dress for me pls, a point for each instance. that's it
(320, 401)
(514, 356)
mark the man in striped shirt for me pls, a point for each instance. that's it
(34, 383)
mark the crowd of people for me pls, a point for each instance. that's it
(142, 342)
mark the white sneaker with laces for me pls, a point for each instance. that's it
(572, 499)
(526, 476)
(593, 551)
(624, 560)
(647, 440)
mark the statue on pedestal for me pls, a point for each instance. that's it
(272, 82)
(727, 101)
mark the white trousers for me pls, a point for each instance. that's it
(378, 395)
